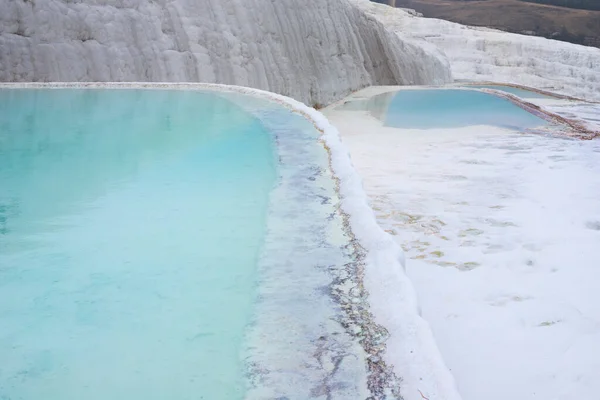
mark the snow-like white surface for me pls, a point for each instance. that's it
(316, 54)
(480, 54)
(501, 232)
(410, 348)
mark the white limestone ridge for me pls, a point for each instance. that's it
(316, 52)
(482, 54)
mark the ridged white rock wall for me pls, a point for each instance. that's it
(316, 51)
(482, 54)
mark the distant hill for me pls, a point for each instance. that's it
(581, 4)
(574, 21)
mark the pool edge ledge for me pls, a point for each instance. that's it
(411, 354)
(411, 351)
(406, 348)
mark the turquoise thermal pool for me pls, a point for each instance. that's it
(145, 250)
(449, 108)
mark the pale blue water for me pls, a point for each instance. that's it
(130, 226)
(450, 108)
(525, 94)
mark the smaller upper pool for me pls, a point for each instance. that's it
(449, 108)
(522, 93)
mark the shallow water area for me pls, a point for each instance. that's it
(152, 240)
(586, 114)
(448, 108)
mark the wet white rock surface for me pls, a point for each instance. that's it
(500, 231)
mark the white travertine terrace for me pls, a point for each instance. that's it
(315, 52)
(482, 54)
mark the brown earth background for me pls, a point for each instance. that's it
(568, 24)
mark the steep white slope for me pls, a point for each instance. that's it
(482, 54)
(315, 53)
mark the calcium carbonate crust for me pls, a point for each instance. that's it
(391, 296)
(315, 54)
